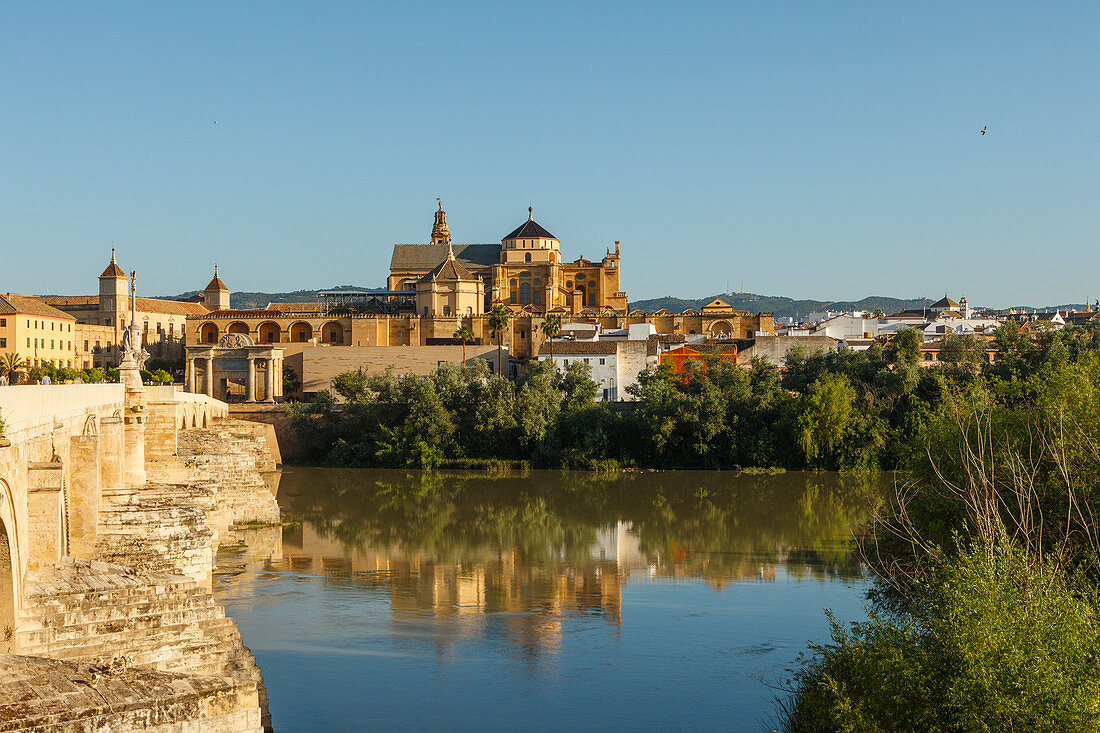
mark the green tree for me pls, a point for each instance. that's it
(826, 412)
(466, 335)
(291, 382)
(551, 328)
(499, 317)
(10, 364)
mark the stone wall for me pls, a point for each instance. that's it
(101, 568)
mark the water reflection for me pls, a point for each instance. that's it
(560, 574)
(453, 544)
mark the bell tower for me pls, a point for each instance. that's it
(216, 295)
(440, 233)
(113, 298)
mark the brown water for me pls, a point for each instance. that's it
(548, 601)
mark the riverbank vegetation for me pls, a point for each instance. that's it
(984, 614)
(831, 411)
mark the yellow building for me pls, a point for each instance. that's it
(163, 322)
(37, 332)
(525, 270)
(437, 288)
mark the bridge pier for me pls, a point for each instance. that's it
(84, 476)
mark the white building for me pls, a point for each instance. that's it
(614, 364)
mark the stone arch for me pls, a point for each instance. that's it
(208, 333)
(332, 333)
(205, 422)
(194, 420)
(270, 333)
(721, 327)
(238, 327)
(11, 567)
(300, 331)
(91, 427)
(183, 421)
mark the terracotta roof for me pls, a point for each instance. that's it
(944, 302)
(295, 307)
(12, 304)
(169, 307)
(427, 256)
(113, 270)
(243, 314)
(568, 348)
(73, 301)
(215, 284)
(530, 229)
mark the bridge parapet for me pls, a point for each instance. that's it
(32, 408)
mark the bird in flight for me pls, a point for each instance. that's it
(983, 130)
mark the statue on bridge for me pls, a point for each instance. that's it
(133, 356)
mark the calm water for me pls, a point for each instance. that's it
(551, 601)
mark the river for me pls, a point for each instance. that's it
(544, 601)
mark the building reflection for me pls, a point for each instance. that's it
(523, 568)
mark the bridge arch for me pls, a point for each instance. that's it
(11, 573)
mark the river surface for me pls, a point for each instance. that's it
(550, 601)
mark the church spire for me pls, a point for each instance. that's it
(440, 233)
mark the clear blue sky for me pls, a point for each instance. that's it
(824, 150)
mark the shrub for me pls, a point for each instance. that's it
(998, 643)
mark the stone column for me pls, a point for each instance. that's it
(134, 416)
(269, 381)
(192, 380)
(250, 383)
(209, 391)
(110, 465)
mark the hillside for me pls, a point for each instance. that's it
(780, 305)
(776, 304)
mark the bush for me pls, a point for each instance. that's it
(998, 643)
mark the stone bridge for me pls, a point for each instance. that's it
(101, 485)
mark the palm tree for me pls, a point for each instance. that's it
(551, 327)
(498, 321)
(466, 334)
(10, 364)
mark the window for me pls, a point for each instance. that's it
(28, 343)
(527, 257)
(3, 321)
(106, 321)
(602, 362)
(537, 298)
(3, 343)
(523, 334)
(580, 276)
(513, 297)
(592, 299)
(586, 360)
(446, 311)
(565, 362)
(525, 292)
(51, 343)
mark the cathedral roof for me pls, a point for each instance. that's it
(113, 270)
(449, 269)
(530, 229)
(427, 256)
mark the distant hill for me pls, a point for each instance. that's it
(778, 305)
(781, 306)
(255, 301)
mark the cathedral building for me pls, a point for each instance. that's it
(525, 271)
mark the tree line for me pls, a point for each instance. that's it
(832, 411)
